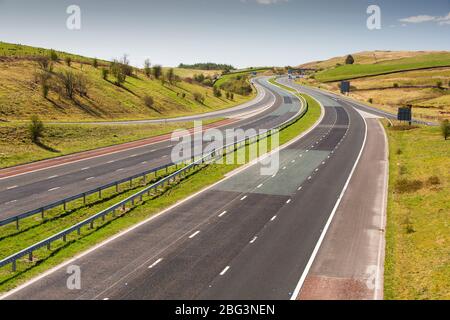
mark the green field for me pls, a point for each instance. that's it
(417, 264)
(232, 75)
(389, 66)
(35, 230)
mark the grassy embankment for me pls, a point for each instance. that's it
(11, 240)
(21, 95)
(417, 262)
(427, 90)
(16, 146)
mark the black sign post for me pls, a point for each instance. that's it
(345, 87)
(405, 114)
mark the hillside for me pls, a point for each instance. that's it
(384, 79)
(21, 94)
(367, 67)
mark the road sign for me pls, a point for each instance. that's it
(404, 114)
(345, 86)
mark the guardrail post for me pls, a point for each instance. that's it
(92, 225)
(131, 183)
(117, 187)
(42, 213)
(84, 198)
(103, 217)
(14, 266)
(100, 193)
(79, 231)
(30, 256)
(64, 238)
(64, 205)
(17, 223)
(48, 246)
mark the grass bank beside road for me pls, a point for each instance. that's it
(17, 148)
(417, 262)
(61, 251)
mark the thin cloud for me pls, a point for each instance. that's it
(427, 18)
(265, 2)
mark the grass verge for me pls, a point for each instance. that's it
(417, 264)
(63, 139)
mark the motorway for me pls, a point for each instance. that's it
(246, 237)
(34, 189)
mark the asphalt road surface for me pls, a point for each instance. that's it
(33, 190)
(247, 237)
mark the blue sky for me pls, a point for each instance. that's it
(239, 32)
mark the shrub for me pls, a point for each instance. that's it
(395, 85)
(95, 63)
(53, 55)
(45, 63)
(81, 85)
(157, 71)
(405, 185)
(349, 59)
(445, 129)
(67, 80)
(409, 227)
(399, 151)
(105, 73)
(433, 180)
(170, 75)
(370, 100)
(439, 84)
(217, 93)
(183, 95)
(36, 129)
(148, 100)
(117, 70)
(43, 77)
(147, 68)
(199, 97)
(68, 61)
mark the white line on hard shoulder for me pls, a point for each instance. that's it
(85, 168)
(222, 214)
(243, 198)
(259, 186)
(111, 161)
(273, 218)
(155, 263)
(12, 187)
(53, 189)
(225, 270)
(51, 177)
(299, 188)
(254, 239)
(12, 201)
(194, 234)
(90, 178)
(288, 201)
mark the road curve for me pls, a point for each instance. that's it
(247, 237)
(31, 190)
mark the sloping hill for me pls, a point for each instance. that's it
(390, 79)
(21, 94)
(377, 63)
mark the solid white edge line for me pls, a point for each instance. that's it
(194, 234)
(379, 277)
(155, 263)
(225, 270)
(112, 238)
(322, 236)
